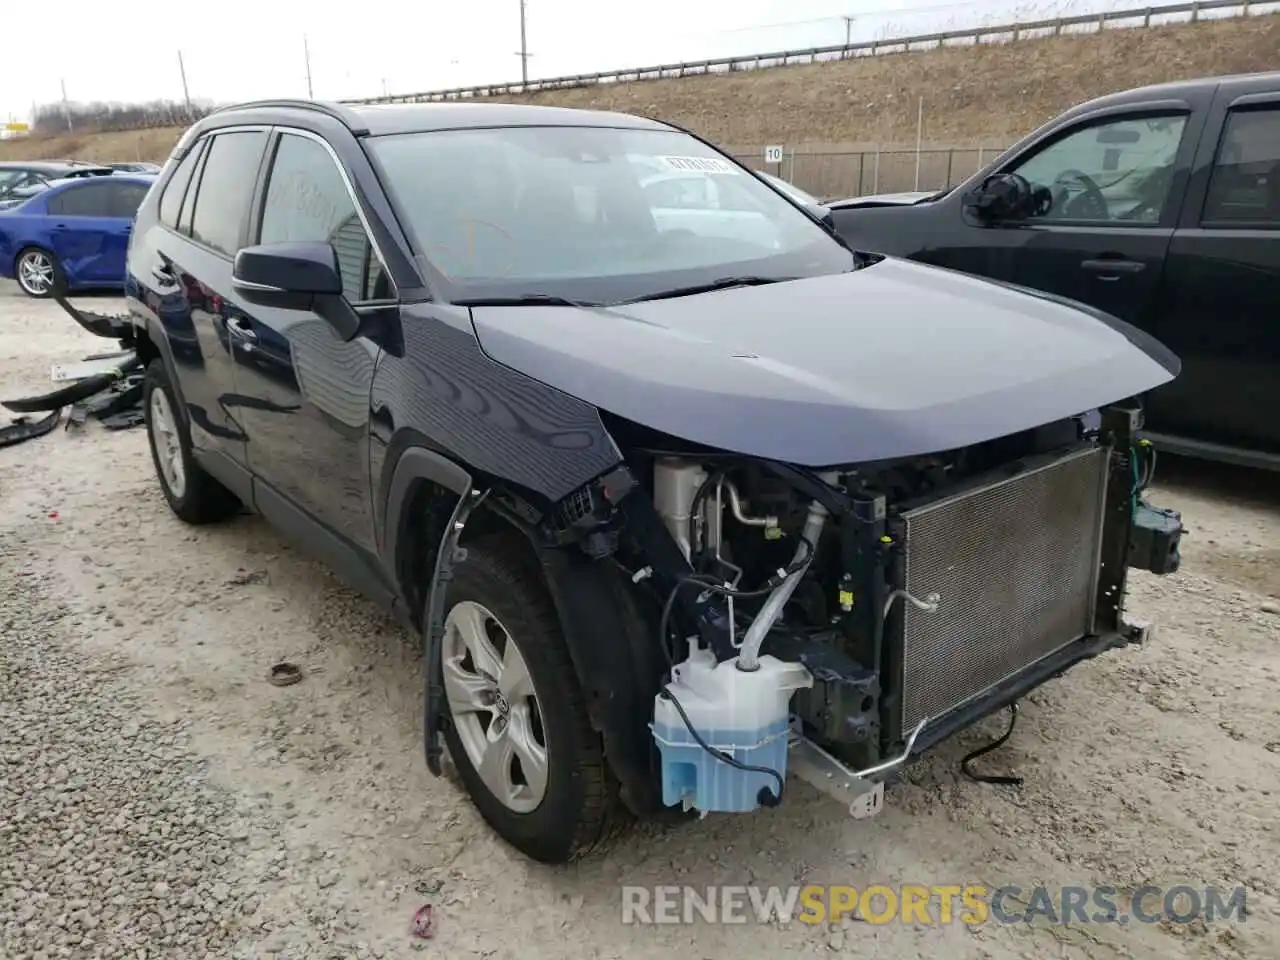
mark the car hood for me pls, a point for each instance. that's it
(895, 359)
(911, 198)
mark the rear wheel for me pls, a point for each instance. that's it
(38, 273)
(517, 725)
(193, 495)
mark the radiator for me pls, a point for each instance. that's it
(1014, 563)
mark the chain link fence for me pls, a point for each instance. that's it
(835, 174)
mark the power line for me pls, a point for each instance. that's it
(893, 11)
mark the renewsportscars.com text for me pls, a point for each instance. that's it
(936, 904)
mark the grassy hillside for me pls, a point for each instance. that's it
(989, 93)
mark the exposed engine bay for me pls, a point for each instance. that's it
(864, 613)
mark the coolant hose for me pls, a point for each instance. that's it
(749, 655)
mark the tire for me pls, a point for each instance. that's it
(194, 496)
(38, 274)
(579, 807)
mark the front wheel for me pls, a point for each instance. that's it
(517, 725)
(38, 273)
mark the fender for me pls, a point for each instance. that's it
(153, 330)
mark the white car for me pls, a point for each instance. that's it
(715, 204)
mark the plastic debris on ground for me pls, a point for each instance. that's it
(105, 386)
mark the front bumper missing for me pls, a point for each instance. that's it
(1020, 684)
(862, 790)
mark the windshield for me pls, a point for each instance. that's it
(591, 213)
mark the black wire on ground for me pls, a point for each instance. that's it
(992, 778)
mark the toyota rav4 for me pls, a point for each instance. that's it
(682, 494)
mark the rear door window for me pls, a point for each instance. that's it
(226, 189)
(1244, 187)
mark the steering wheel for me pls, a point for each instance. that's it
(1090, 205)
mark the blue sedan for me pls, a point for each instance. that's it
(72, 234)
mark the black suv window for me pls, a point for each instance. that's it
(308, 200)
(86, 200)
(226, 187)
(1245, 184)
(176, 188)
(1118, 170)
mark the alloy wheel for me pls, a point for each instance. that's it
(495, 707)
(35, 273)
(168, 445)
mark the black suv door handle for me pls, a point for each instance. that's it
(1110, 269)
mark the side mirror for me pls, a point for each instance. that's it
(296, 276)
(1001, 196)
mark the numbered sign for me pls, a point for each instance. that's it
(773, 154)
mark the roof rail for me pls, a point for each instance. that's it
(342, 114)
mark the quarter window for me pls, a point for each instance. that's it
(1117, 171)
(1245, 184)
(226, 188)
(176, 188)
(126, 198)
(308, 201)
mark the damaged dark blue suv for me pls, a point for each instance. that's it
(683, 494)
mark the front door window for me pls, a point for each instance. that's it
(1116, 171)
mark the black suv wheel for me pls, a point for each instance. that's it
(517, 727)
(193, 495)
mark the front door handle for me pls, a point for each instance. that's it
(243, 329)
(1107, 268)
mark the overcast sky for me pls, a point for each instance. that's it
(248, 49)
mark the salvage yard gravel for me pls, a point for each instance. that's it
(160, 797)
(112, 841)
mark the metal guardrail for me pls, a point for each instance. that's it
(1012, 31)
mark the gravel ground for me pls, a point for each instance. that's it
(159, 798)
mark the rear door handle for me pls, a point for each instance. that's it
(1110, 269)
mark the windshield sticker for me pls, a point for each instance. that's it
(700, 164)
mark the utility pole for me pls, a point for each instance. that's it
(848, 32)
(524, 49)
(66, 109)
(186, 97)
(306, 56)
(919, 138)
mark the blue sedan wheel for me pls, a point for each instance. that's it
(37, 273)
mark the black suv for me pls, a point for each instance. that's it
(1159, 205)
(623, 463)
